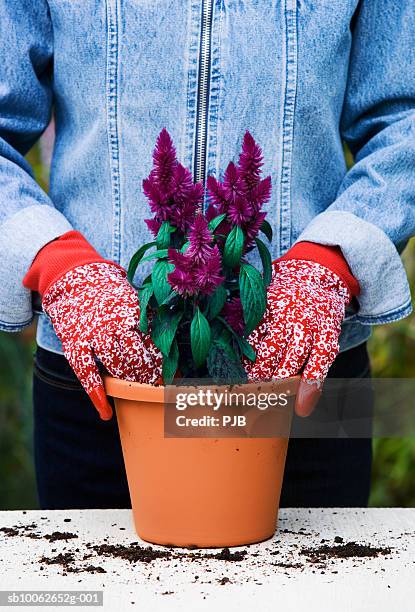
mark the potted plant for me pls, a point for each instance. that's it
(200, 303)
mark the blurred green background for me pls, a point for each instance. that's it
(392, 349)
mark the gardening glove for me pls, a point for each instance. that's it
(95, 313)
(300, 331)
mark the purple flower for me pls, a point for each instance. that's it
(211, 212)
(181, 279)
(153, 225)
(200, 240)
(233, 314)
(164, 157)
(208, 275)
(182, 282)
(242, 194)
(183, 188)
(240, 210)
(253, 228)
(261, 193)
(250, 162)
(233, 185)
(217, 195)
(182, 216)
(156, 198)
(199, 268)
(170, 190)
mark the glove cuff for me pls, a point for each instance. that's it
(329, 256)
(57, 258)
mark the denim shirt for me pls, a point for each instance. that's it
(301, 75)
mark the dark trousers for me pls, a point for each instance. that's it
(79, 461)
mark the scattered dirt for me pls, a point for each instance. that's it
(322, 558)
(135, 553)
(91, 569)
(58, 535)
(28, 532)
(64, 559)
(67, 560)
(298, 533)
(9, 531)
(347, 550)
(225, 555)
(21, 530)
(288, 565)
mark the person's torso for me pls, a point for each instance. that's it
(207, 70)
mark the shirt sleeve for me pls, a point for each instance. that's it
(28, 219)
(373, 216)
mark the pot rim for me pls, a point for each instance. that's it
(124, 389)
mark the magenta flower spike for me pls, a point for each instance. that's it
(208, 275)
(217, 195)
(169, 188)
(153, 225)
(200, 239)
(250, 162)
(233, 185)
(164, 158)
(261, 193)
(240, 211)
(181, 279)
(253, 228)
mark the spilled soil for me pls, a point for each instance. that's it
(135, 553)
(289, 558)
(348, 550)
(67, 560)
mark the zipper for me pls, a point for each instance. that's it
(203, 91)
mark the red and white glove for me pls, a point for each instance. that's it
(300, 331)
(95, 313)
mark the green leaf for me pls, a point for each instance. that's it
(200, 337)
(162, 254)
(234, 245)
(223, 364)
(185, 247)
(164, 329)
(217, 301)
(144, 294)
(266, 229)
(170, 363)
(163, 236)
(225, 337)
(170, 298)
(136, 258)
(253, 296)
(161, 285)
(216, 328)
(216, 222)
(245, 347)
(266, 261)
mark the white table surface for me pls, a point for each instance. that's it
(381, 583)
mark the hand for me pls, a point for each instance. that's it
(95, 313)
(305, 307)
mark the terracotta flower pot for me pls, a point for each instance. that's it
(203, 492)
